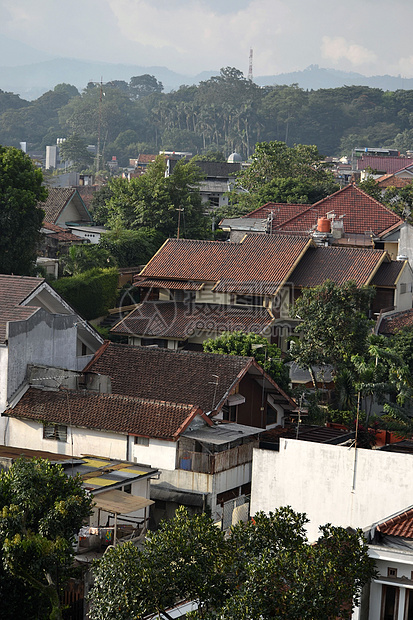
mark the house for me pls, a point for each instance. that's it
(64, 206)
(382, 164)
(194, 416)
(194, 290)
(389, 323)
(399, 178)
(354, 219)
(219, 179)
(38, 326)
(391, 546)
(120, 489)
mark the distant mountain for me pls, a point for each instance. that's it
(32, 80)
(314, 77)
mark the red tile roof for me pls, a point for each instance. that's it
(385, 164)
(362, 214)
(281, 212)
(58, 198)
(107, 412)
(393, 323)
(392, 180)
(13, 292)
(401, 525)
(338, 264)
(61, 234)
(173, 376)
(167, 284)
(166, 319)
(258, 258)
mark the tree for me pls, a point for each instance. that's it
(74, 149)
(264, 569)
(20, 220)
(82, 258)
(154, 201)
(267, 355)
(144, 85)
(40, 510)
(333, 325)
(280, 173)
(132, 247)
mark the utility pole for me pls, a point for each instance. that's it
(250, 66)
(179, 220)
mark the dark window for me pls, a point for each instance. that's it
(230, 413)
(142, 441)
(389, 603)
(127, 488)
(391, 572)
(57, 432)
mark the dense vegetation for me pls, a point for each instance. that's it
(264, 569)
(226, 112)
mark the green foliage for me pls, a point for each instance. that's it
(132, 248)
(252, 345)
(280, 173)
(40, 509)
(398, 199)
(333, 325)
(20, 219)
(264, 569)
(74, 149)
(152, 201)
(225, 113)
(91, 293)
(83, 258)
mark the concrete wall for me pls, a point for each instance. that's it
(159, 454)
(403, 301)
(406, 242)
(4, 355)
(29, 434)
(330, 485)
(44, 338)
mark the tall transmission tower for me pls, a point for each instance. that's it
(250, 66)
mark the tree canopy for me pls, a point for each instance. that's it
(40, 510)
(264, 569)
(252, 345)
(20, 220)
(333, 325)
(157, 202)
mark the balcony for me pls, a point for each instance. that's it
(204, 463)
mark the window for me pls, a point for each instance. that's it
(142, 441)
(389, 603)
(249, 300)
(391, 572)
(127, 488)
(229, 413)
(58, 432)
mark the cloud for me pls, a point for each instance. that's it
(336, 49)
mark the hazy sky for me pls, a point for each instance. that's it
(190, 36)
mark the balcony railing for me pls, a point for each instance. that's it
(214, 463)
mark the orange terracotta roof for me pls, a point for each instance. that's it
(258, 258)
(61, 234)
(280, 212)
(401, 525)
(393, 323)
(392, 180)
(362, 214)
(108, 412)
(168, 319)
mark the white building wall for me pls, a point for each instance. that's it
(403, 294)
(330, 485)
(390, 558)
(42, 339)
(29, 434)
(4, 354)
(159, 454)
(69, 214)
(406, 242)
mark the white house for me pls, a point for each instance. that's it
(38, 327)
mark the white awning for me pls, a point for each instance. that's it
(120, 502)
(235, 399)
